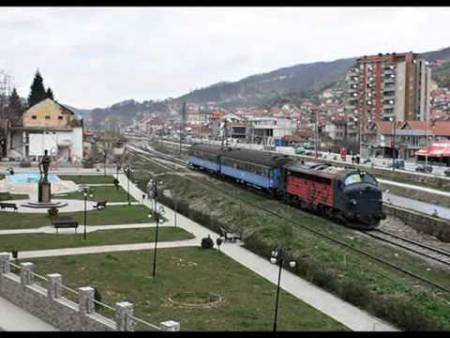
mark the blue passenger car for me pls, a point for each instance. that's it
(255, 168)
(205, 157)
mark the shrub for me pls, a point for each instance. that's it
(356, 294)
(207, 243)
(324, 278)
(52, 212)
(403, 313)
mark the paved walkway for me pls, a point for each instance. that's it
(107, 248)
(415, 187)
(418, 206)
(345, 313)
(13, 318)
(89, 228)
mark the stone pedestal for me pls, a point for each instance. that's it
(44, 192)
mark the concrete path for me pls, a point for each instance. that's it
(89, 228)
(107, 248)
(422, 207)
(415, 187)
(72, 206)
(13, 318)
(334, 307)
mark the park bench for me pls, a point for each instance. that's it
(64, 222)
(229, 236)
(100, 205)
(9, 205)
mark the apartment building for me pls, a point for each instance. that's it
(389, 86)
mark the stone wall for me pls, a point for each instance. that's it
(434, 226)
(49, 304)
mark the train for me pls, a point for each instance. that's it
(350, 196)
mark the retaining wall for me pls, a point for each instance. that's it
(434, 226)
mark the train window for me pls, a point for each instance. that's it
(369, 179)
(352, 179)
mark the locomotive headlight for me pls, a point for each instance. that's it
(353, 202)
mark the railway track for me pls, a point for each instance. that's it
(421, 249)
(154, 155)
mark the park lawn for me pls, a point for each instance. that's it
(104, 237)
(100, 193)
(117, 214)
(248, 299)
(88, 179)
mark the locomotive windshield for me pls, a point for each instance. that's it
(360, 178)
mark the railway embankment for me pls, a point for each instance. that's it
(435, 226)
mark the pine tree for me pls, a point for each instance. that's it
(37, 93)
(50, 93)
(15, 108)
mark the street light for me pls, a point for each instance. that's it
(392, 119)
(117, 169)
(128, 171)
(85, 194)
(279, 256)
(152, 190)
(105, 156)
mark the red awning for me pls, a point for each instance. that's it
(436, 149)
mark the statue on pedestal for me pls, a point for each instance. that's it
(44, 194)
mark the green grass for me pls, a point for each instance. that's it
(248, 299)
(118, 214)
(88, 179)
(100, 193)
(104, 237)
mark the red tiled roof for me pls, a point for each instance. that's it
(438, 128)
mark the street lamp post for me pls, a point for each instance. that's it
(152, 188)
(85, 194)
(105, 156)
(393, 142)
(278, 256)
(128, 171)
(117, 169)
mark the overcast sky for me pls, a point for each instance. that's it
(94, 57)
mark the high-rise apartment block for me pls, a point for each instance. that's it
(388, 86)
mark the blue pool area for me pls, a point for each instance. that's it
(31, 178)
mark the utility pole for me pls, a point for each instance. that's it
(224, 134)
(316, 138)
(183, 117)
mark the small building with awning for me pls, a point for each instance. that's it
(437, 153)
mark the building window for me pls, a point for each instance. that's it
(60, 117)
(47, 117)
(33, 117)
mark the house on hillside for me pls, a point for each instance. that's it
(47, 125)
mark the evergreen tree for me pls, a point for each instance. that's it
(50, 93)
(15, 108)
(37, 93)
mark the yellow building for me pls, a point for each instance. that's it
(48, 125)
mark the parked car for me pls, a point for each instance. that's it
(447, 172)
(424, 169)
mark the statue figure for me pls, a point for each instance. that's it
(44, 164)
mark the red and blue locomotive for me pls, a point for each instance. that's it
(351, 196)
